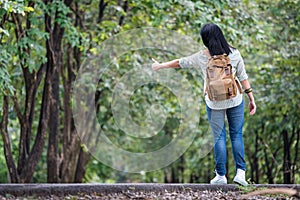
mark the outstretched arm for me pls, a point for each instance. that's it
(171, 64)
(252, 106)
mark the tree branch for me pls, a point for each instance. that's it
(3, 20)
(125, 8)
(19, 29)
(7, 144)
(78, 18)
(40, 138)
(102, 6)
(18, 109)
(296, 155)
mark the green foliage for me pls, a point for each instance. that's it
(12, 52)
(266, 32)
(5, 82)
(98, 173)
(15, 7)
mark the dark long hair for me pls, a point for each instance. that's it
(213, 38)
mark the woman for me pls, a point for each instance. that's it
(233, 108)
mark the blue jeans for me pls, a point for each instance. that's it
(235, 117)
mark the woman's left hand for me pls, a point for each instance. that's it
(252, 107)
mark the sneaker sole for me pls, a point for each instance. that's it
(245, 184)
(224, 183)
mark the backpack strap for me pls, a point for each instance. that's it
(206, 52)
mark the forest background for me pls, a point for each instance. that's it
(43, 44)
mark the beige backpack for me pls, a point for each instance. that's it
(220, 82)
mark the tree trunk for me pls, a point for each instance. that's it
(286, 158)
(296, 160)
(181, 168)
(167, 177)
(53, 56)
(83, 159)
(256, 169)
(174, 173)
(125, 8)
(67, 162)
(102, 6)
(269, 168)
(28, 158)
(37, 149)
(13, 175)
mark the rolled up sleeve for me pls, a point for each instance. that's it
(241, 71)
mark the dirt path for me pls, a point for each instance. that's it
(141, 191)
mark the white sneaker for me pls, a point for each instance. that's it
(219, 179)
(240, 177)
